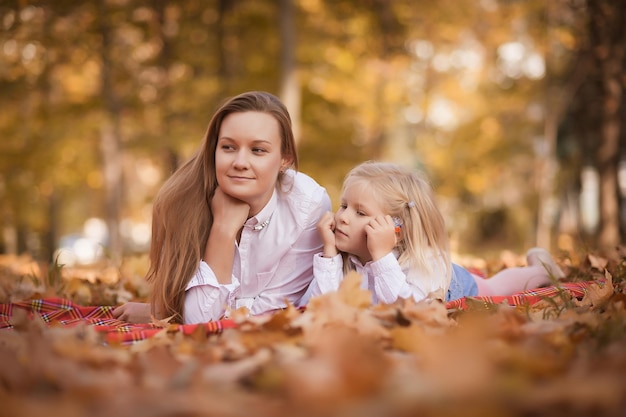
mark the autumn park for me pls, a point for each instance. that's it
(514, 111)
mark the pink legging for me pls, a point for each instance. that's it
(513, 280)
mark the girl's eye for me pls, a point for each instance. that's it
(360, 213)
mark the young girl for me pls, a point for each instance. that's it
(235, 226)
(390, 230)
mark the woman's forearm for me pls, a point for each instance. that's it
(219, 254)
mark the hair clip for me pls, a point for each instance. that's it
(410, 204)
(398, 223)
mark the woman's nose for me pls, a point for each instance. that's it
(241, 159)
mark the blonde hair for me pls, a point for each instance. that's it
(182, 217)
(408, 195)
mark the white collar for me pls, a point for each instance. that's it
(263, 217)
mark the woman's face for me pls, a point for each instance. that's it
(248, 157)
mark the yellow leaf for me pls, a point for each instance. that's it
(598, 294)
(351, 292)
(597, 262)
(80, 291)
(407, 339)
(161, 323)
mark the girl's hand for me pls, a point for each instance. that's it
(381, 236)
(326, 229)
(228, 213)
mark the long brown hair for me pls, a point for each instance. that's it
(181, 214)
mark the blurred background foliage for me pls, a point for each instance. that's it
(514, 108)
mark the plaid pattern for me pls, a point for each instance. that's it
(61, 311)
(575, 289)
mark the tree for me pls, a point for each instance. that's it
(607, 34)
(592, 123)
(289, 82)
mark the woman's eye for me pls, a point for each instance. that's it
(227, 147)
(258, 150)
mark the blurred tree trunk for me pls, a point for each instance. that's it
(225, 67)
(110, 139)
(607, 33)
(387, 26)
(557, 102)
(289, 83)
(621, 174)
(165, 58)
(50, 233)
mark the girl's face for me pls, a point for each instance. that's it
(248, 157)
(358, 207)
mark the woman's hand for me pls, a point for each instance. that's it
(228, 212)
(326, 229)
(381, 236)
(133, 312)
(229, 215)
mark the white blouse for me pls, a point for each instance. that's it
(273, 259)
(385, 278)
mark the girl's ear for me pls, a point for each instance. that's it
(397, 221)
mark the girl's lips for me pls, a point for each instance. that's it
(337, 231)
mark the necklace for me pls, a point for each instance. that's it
(260, 226)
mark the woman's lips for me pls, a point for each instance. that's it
(236, 178)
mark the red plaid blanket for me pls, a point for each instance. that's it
(529, 297)
(61, 311)
(65, 312)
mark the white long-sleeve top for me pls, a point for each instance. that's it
(385, 278)
(271, 264)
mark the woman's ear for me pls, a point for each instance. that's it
(286, 163)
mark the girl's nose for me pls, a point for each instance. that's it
(341, 217)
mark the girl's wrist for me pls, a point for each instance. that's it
(329, 252)
(378, 256)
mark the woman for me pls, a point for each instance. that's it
(235, 226)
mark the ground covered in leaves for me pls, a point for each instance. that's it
(339, 357)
